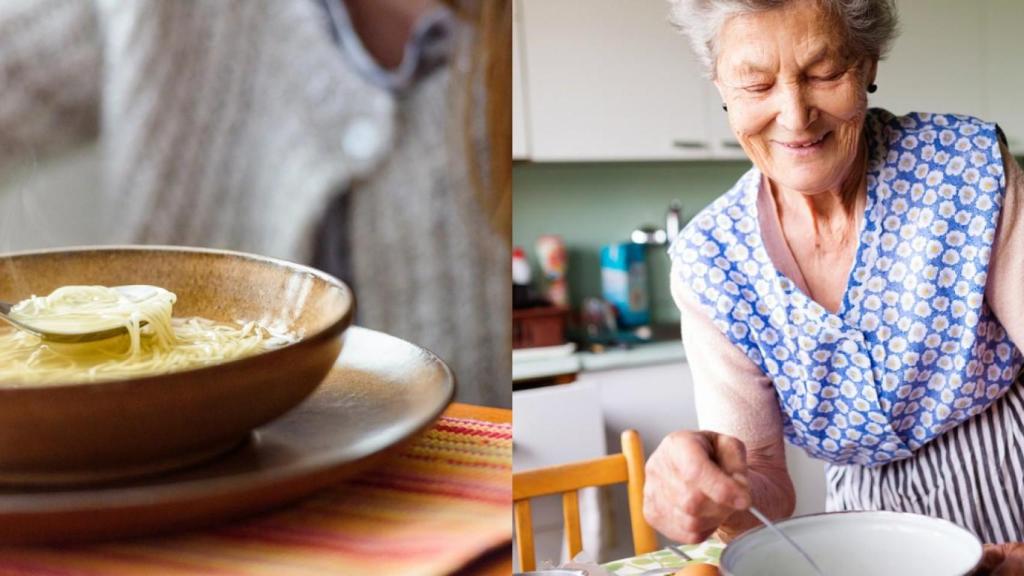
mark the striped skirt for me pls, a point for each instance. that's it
(973, 475)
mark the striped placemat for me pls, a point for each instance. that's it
(429, 510)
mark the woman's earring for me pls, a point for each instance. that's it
(724, 107)
(872, 88)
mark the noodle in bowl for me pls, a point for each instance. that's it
(154, 342)
(250, 338)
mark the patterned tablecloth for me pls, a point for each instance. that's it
(708, 551)
(430, 510)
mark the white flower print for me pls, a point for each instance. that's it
(915, 303)
(917, 262)
(967, 195)
(888, 241)
(907, 162)
(917, 332)
(955, 166)
(899, 205)
(977, 226)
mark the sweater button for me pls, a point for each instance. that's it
(362, 139)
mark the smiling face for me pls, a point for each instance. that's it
(796, 97)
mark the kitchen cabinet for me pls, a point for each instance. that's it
(520, 140)
(609, 80)
(971, 71)
(931, 70)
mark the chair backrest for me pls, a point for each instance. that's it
(566, 479)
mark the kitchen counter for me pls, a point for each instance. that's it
(565, 361)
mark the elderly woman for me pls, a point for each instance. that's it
(854, 293)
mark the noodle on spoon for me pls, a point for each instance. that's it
(155, 343)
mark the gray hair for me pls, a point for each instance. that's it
(870, 25)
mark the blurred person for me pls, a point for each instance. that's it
(368, 138)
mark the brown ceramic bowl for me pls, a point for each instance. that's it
(79, 432)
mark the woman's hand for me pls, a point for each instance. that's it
(695, 480)
(1002, 560)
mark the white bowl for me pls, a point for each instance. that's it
(856, 543)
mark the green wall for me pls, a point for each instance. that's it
(591, 204)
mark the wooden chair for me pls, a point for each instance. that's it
(567, 479)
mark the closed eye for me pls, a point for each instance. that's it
(829, 77)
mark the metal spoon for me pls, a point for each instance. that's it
(136, 293)
(679, 552)
(764, 520)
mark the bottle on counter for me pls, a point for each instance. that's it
(624, 283)
(552, 257)
(520, 278)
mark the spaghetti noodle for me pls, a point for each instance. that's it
(154, 341)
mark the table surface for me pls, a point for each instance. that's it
(362, 519)
(709, 551)
(497, 562)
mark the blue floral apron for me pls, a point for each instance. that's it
(914, 349)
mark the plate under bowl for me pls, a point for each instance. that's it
(380, 393)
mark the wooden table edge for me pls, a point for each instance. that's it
(485, 413)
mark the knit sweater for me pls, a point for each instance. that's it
(233, 123)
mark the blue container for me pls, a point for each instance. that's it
(624, 283)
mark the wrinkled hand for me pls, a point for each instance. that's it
(1002, 560)
(695, 480)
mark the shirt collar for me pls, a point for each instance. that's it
(429, 46)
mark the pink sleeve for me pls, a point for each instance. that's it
(732, 395)
(1004, 290)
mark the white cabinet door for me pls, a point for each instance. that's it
(937, 63)
(1005, 89)
(653, 400)
(555, 425)
(610, 80)
(520, 139)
